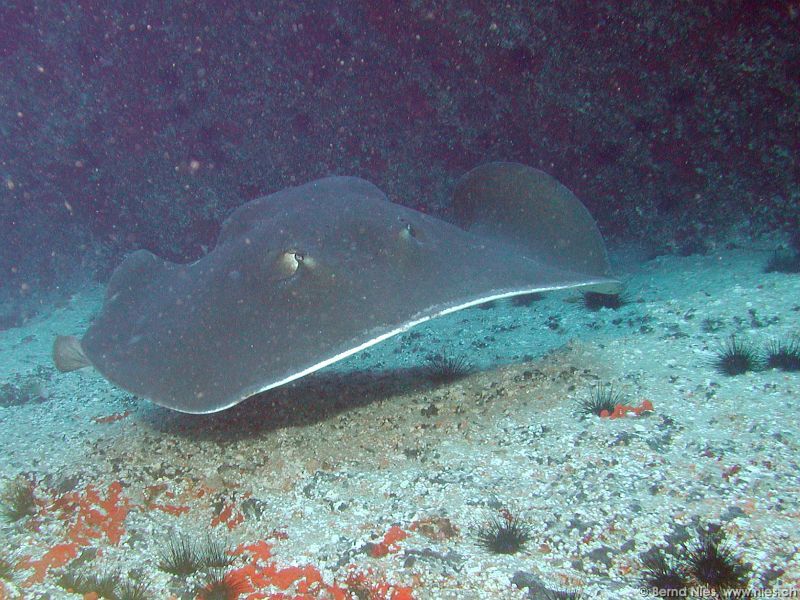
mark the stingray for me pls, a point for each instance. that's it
(309, 275)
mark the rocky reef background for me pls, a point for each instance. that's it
(127, 127)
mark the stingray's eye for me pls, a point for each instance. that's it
(407, 232)
(288, 262)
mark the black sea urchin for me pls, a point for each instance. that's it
(504, 535)
(526, 299)
(219, 586)
(602, 398)
(663, 575)
(180, 557)
(783, 355)
(17, 499)
(103, 585)
(736, 357)
(441, 368)
(134, 590)
(214, 553)
(783, 261)
(594, 301)
(715, 564)
(560, 595)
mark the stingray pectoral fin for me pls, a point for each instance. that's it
(309, 275)
(525, 206)
(605, 287)
(68, 355)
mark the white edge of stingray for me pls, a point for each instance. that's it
(604, 285)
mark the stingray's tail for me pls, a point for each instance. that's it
(68, 355)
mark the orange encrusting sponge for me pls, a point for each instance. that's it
(622, 410)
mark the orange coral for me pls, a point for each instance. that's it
(262, 572)
(228, 516)
(95, 516)
(360, 583)
(389, 543)
(111, 418)
(235, 587)
(622, 410)
(170, 509)
(260, 550)
(89, 517)
(286, 577)
(58, 556)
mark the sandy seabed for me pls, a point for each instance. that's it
(367, 480)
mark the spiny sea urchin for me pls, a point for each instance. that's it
(17, 500)
(504, 535)
(215, 553)
(602, 398)
(526, 299)
(442, 368)
(663, 574)
(594, 301)
(102, 585)
(714, 563)
(783, 261)
(180, 557)
(183, 556)
(221, 586)
(735, 357)
(783, 355)
(134, 590)
(560, 595)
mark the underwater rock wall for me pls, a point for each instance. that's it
(672, 121)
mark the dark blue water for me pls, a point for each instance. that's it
(141, 126)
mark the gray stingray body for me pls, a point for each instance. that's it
(306, 276)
